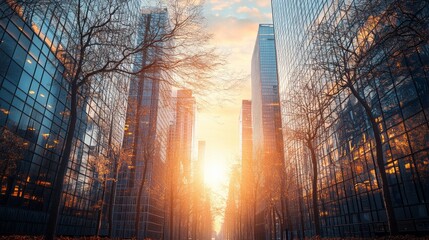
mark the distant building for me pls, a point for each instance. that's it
(145, 141)
(184, 129)
(246, 136)
(266, 122)
(247, 174)
(179, 174)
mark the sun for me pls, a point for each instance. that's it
(216, 173)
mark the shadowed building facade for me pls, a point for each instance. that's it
(350, 199)
(145, 141)
(34, 110)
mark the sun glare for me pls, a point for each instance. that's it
(216, 173)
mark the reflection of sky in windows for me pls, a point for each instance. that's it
(33, 99)
(348, 179)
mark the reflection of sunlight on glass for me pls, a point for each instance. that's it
(216, 173)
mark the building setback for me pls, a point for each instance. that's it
(266, 122)
(350, 199)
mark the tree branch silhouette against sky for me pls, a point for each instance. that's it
(234, 25)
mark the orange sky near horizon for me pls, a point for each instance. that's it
(234, 25)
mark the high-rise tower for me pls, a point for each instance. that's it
(141, 185)
(350, 198)
(266, 123)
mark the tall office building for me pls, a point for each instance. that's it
(247, 177)
(266, 122)
(181, 142)
(350, 199)
(246, 136)
(145, 140)
(34, 110)
(184, 132)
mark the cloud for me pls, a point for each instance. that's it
(263, 3)
(254, 13)
(219, 6)
(246, 9)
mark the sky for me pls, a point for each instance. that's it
(234, 25)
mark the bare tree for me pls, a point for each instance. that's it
(231, 222)
(12, 149)
(103, 41)
(149, 152)
(356, 52)
(306, 106)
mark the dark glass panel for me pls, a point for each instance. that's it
(25, 82)
(14, 72)
(8, 44)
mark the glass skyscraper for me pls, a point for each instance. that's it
(350, 199)
(149, 115)
(266, 122)
(34, 109)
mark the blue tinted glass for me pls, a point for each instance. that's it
(20, 55)
(24, 42)
(8, 44)
(25, 82)
(30, 65)
(14, 72)
(4, 63)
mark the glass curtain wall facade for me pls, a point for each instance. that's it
(350, 199)
(149, 116)
(266, 122)
(34, 104)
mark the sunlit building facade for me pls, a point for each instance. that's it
(184, 121)
(149, 115)
(34, 105)
(246, 136)
(180, 177)
(246, 186)
(350, 199)
(266, 123)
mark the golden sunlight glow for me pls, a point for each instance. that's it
(216, 173)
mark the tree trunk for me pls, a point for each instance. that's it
(387, 200)
(283, 210)
(100, 211)
(57, 190)
(301, 217)
(137, 134)
(112, 196)
(287, 227)
(139, 196)
(109, 155)
(314, 189)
